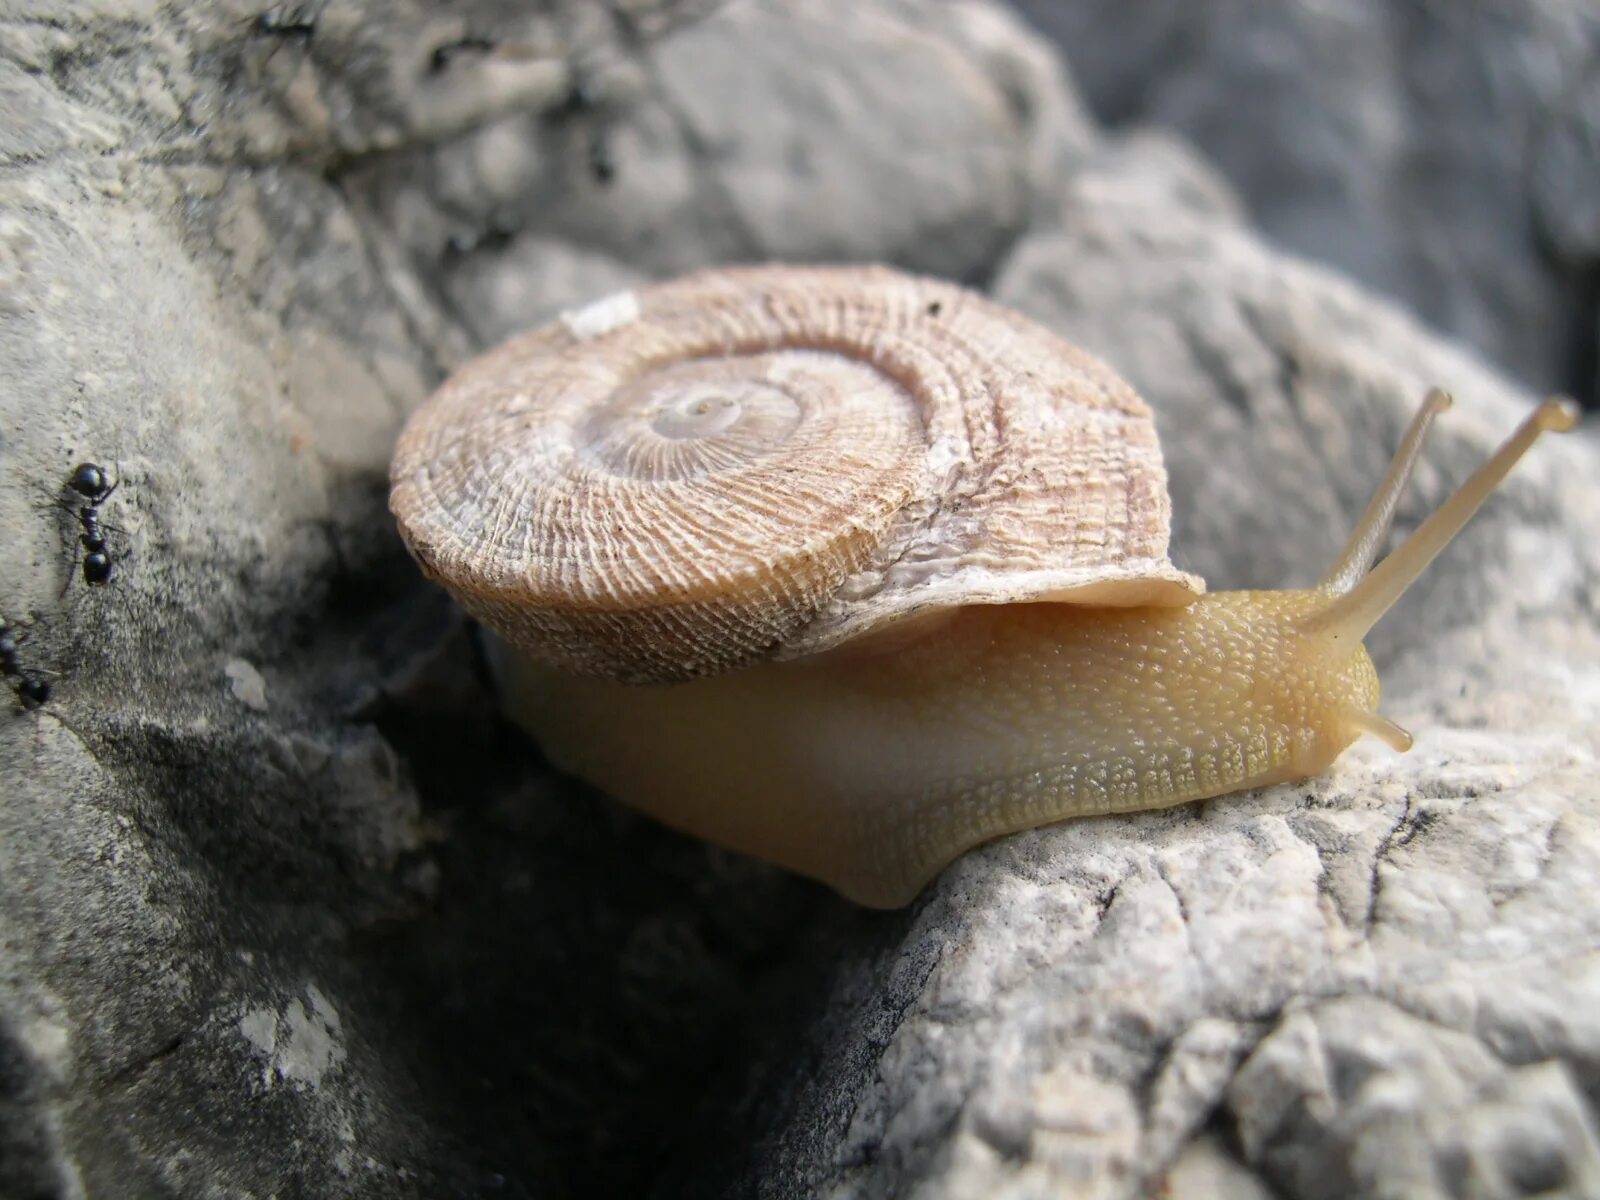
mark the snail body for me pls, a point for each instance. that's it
(900, 561)
(1004, 718)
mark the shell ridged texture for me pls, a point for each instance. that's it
(771, 461)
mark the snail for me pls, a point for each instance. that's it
(852, 571)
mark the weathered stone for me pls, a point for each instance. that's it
(1445, 154)
(906, 133)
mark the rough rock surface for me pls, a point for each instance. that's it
(285, 910)
(1446, 154)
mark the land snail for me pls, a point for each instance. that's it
(853, 571)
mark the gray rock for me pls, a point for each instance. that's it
(1442, 153)
(906, 133)
(285, 909)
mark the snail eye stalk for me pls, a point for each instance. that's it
(1353, 613)
(1367, 537)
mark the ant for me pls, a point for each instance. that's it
(31, 690)
(91, 482)
(586, 98)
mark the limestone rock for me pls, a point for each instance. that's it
(914, 134)
(1445, 154)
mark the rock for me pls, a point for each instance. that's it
(1444, 154)
(286, 909)
(764, 131)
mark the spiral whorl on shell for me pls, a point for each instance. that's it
(770, 461)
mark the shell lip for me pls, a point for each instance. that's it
(1154, 584)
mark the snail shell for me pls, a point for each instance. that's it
(768, 462)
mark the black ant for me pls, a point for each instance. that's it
(586, 98)
(31, 690)
(91, 482)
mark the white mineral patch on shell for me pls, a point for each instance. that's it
(603, 316)
(944, 454)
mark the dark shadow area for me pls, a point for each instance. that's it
(580, 981)
(1582, 375)
(832, 1004)
(27, 1156)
